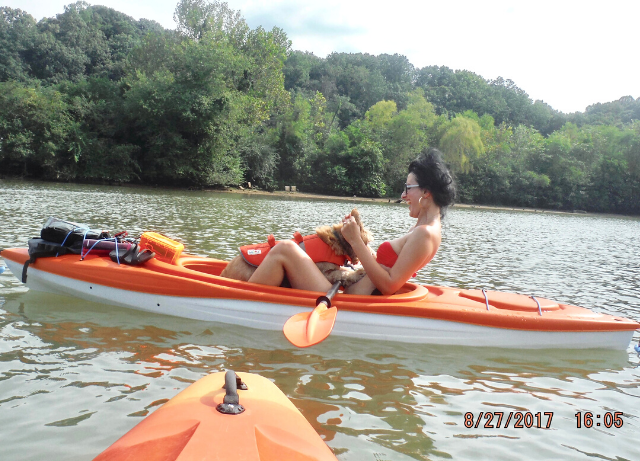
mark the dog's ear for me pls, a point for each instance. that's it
(332, 236)
(326, 234)
(367, 237)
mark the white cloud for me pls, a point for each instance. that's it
(570, 53)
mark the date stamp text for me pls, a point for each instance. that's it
(515, 419)
(539, 420)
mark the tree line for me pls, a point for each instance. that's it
(94, 95)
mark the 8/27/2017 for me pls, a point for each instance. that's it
(609, 419)
(520, 420)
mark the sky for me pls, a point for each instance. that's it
(568, 53)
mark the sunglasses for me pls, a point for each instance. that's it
(409, 186)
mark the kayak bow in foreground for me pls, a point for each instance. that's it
(247, 419)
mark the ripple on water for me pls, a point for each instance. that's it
(74, 375)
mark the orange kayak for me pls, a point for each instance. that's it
(192, 288)
(251, 420)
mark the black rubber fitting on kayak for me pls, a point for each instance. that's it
(323, 299)
(231, 403)
(239, 384)
(24, 270)
(230, 408)
(329, 296)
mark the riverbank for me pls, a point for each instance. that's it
(314, 196)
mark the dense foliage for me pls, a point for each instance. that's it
(94, 95)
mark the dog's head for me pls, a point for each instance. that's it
(332, 236)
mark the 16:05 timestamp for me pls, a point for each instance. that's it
(607, 420)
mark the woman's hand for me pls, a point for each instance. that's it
(351, 230)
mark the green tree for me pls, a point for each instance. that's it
(298, 71)
(34, 126)
(615, 113)
(460, 142)
(398, 74)
(380, 114)
(259, 157)
(407, 134)
(350, 164)
(454, 92)
(296, 140)
(364, 162)
(18, 33)
(198, 18)
(568, 175)
(352, 83)
(99, 140)
(203, 98)
(528, 186)
(488, 178)
(83, 41)
(615, 177)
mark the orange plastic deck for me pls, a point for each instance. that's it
(194, 276)
(188, 427)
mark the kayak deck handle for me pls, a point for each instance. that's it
(539, 308)
(231, 403)
(486, 301)
(240, 385)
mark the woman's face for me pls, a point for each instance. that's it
(412, 195)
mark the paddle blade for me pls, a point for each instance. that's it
(309, 328)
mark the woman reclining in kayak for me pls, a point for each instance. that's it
(428, 191)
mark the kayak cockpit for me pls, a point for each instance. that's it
(206, 266)
(213, 267)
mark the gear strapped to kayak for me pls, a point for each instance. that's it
(58, 237)
(194, 288)
(313, 245)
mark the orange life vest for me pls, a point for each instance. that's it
(317, 250)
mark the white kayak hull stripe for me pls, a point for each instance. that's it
(268, 316)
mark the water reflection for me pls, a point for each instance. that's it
(74, 375)
(389, 394)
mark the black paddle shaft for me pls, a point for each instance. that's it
(329, 296)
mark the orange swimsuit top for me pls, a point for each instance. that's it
(387, 256)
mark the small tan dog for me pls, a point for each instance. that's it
(239, 269)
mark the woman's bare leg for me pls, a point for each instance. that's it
(288, 258)
(364, 286)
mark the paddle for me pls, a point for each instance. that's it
(309, 328)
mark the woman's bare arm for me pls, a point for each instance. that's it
(416, 250)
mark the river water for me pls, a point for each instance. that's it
(75, 376)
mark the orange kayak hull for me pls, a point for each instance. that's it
(188, 427)
(192, 288)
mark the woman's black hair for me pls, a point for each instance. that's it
(433, 175)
